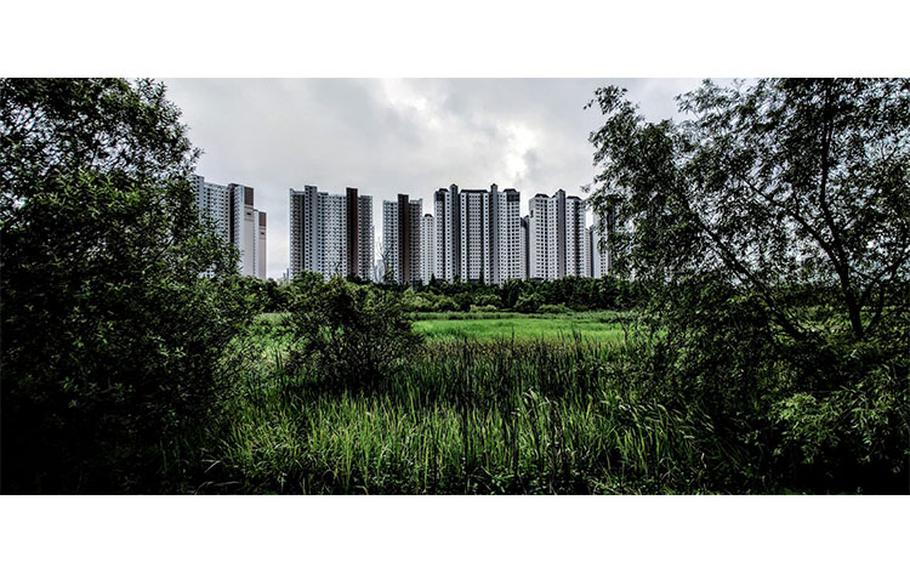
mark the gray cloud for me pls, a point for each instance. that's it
(389, 136)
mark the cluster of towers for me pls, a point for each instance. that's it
(331, 234)
(473, 235)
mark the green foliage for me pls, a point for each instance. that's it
(554, 309)
(771, 234)
(491, 326)
(464, 417)
(354, 335)
(528, 303)
(444, 304)
(110, 336)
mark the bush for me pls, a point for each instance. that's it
(486, 308)
(350, 336)
(528, 303)
(463, 300)
(418, 302)
(554, 309)
(487, 300)
(445, 304)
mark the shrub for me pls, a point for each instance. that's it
(554, 309)
(528, 303)
(350, 335)
(417, 302)
(487, 300)
(463, 300)
(486, 308)
(445, 304)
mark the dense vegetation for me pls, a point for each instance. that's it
(575, 412)
(525, 296)
(757, 339)
(110, 337)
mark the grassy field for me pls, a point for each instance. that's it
(594, 326)
(553, 413)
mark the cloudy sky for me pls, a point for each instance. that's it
(390, 136)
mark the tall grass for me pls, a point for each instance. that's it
(544, 416)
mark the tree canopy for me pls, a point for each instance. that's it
(768, 185)
(110, 336)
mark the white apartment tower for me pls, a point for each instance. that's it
(575, 236)
(330, 234)
(261, 245)
(360, 231)
(213, 203)
(506, 235)
(333, 225)
(427, 248)
(401, 240)
(446, 212)
(304, 230)
(556, 236)
(542, 253)
(389, 253)
(478, 234)
(476, 260)
(598, 260)
(598, 250)
(229, 211)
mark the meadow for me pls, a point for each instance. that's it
(594, 326)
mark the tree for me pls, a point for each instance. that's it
(770, 235)
(770, 185)
(110, 335)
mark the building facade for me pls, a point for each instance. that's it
(261, 246)
(523, 247)
(446, 212)
(401, 239)
(556, 236)
(475, 235)
(428, 248)
(228, 210)
(506, 234)
(575, 237)
(330, 234)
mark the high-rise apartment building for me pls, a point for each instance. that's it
(477, 234)
(506, 235)
(359, 219)
(213, 201)
(556, 236)
(261, 246)
(476, 261)
(542, 231)
(446, 212)
(333, 231)
(330, 234)
(304, 230)
(427, 248)
(401, 239)
(229, 211)
(575, 236)
(524, 240)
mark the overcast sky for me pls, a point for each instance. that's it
(390, 136)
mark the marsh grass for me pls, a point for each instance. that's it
(548, 415)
